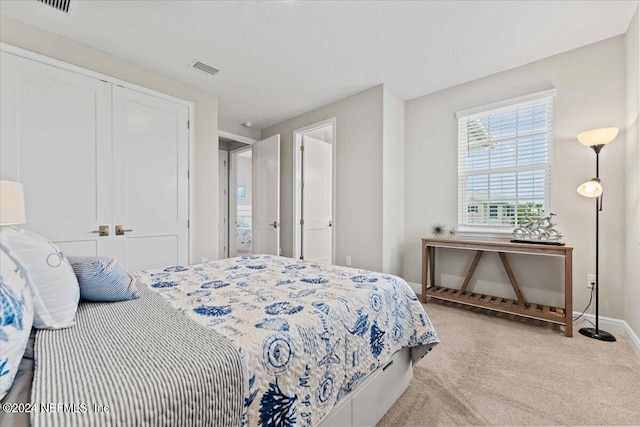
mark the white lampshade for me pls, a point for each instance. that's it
(591, 188)
(597, 136)
(11, 203)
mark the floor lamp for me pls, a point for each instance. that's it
(11, 203)
(596, 139)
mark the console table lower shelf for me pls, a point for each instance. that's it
(504, 305)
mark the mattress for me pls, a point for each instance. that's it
(244, 238)
(306, 334)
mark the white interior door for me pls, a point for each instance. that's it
(317, 200)
(266, 196)
(223, 203)
(150, 180)
(233, 204)
(55, 137)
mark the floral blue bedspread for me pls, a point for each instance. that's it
(307, 334)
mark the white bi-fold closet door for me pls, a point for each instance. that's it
(150, 180)
(95, 155)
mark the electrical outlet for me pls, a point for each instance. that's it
(204, 259)
(591, 281)
(347, 261)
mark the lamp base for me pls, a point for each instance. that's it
(597, 335)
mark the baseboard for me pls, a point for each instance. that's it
(633, 340)
(614, 326)
(417, 287)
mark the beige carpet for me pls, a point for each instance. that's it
(490, 370)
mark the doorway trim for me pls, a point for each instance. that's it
(297, 160)
(224, 199)
(236, 137)
(232, 211)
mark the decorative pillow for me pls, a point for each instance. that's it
(102, 279)
(54, 285)
(16, 318)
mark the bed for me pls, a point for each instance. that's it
(258, 340)
(244, 238)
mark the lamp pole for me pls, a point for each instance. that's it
(596, 139)
(597, 149)
(591, 332)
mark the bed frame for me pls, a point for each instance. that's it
(367, 404)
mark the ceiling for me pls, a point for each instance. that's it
(280, 59)
(226, 144)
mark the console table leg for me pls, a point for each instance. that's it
(472, 270)
(432, 265)
(512, 277)
(568, 294)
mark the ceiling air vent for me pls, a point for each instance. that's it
(61, 5)
(206, 68)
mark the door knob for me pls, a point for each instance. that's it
(120, 230)
(275, 224)
(102, 230)
(330, 223)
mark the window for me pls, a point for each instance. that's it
(241, 193)
(509, 210)
(504, 162)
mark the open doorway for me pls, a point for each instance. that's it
(241, 233)
(235, 195)
(314, 192)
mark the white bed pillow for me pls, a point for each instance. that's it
(16, 318)
(54, 284)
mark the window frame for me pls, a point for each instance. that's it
(488, 230)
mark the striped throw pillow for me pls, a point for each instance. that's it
(102, 279)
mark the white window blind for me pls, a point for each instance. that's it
(504, 162)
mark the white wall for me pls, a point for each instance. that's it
(359, 137)
(393, 182)
(590, 83)
(237, 129)
(206, 114)
(632, 179)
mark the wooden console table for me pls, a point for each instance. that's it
(519, 306)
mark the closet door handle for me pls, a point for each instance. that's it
(120, 230)
(102, 230)
(275, 224)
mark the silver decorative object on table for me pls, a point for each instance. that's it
(537, 231)
(438, 229)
